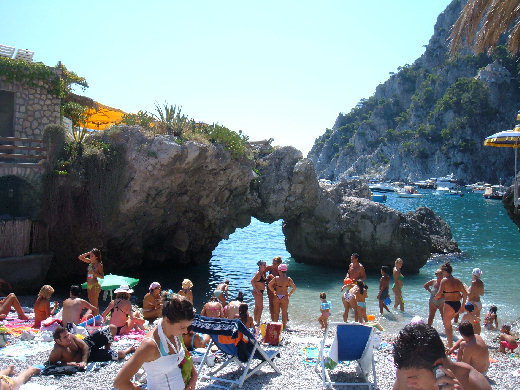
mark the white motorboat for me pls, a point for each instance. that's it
(446, 182)
(381, 187)
(409, 192)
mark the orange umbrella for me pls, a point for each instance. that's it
(102, 117)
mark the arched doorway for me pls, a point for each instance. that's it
(18, 198)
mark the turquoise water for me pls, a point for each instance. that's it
(481, 227)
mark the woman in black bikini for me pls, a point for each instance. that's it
(258, 283)
(451, 289)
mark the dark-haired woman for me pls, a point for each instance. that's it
(162, 352)
(451, 289)
(94, 271)
(243, 315)
(258, 283)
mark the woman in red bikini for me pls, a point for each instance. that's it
(94, 271)
(451, 289)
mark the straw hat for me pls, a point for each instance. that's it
(186, 283)
(124, 288)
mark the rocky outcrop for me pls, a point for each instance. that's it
(429, 119)
(334, 230)
(509, 205)
(164, 202)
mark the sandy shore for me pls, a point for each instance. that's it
(298, 345)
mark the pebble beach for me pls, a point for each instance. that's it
(298, 349)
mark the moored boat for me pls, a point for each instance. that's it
(409, 192)
(495, 192)
(381, 198)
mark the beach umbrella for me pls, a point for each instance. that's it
(111, 282)
(101, 117)
(507, 139)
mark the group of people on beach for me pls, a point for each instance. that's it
(163, 351)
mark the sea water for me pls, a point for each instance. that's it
(486, 236)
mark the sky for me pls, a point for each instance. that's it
(273, 69)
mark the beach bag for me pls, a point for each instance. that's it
(186, 365)
(273, 332)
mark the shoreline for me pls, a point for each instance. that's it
(296, 373)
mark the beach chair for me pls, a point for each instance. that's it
(23, 54)
(352, 342)
(6, 51)
(239, 345)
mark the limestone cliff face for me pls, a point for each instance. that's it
(170, 203)
(428, 119)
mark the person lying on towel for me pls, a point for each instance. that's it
(70, 350)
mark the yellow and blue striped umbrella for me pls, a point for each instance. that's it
(518, 115)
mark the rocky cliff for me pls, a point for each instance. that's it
(146, 200)
(428, 119)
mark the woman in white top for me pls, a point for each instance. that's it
(162, 352)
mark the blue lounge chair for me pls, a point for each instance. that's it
(240, 346)
(352, 342)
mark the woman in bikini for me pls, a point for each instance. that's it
(397, 288)
(349, 298)
(42, 306)
(186, 290)
(433, 288)
(162, 353)
(273, 273)
(213, 308)
(475, 291)
(451, 289)
(94, 271)
(280, 287)
(361, 295)
(258, 283)
(122, 315)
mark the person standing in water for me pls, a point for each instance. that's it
(384, 284)
(94, 271)
(356, 271)
(475, 291)
(398, 284)
(433, 288)
(280, 286)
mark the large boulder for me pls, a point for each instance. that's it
(338, 227)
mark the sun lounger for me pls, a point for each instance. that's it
(6, 51)
(352, 342)
(23, 54)
(240, 346)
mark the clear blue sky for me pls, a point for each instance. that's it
(280, 69)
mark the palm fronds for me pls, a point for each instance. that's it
(482, 22)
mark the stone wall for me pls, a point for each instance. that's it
(34, 108)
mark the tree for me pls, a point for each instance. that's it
(482, 22)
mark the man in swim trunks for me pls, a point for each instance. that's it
(72, 351)
(475, 291)
(73, 307)
(356, 271)
(220, 291)
(8, 382)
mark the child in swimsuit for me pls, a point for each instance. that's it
(507, 340)
(361, 294)
(491, 318)
(384, 283)
(325, 311)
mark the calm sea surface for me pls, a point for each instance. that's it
(485, 234)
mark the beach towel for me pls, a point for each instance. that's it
(137, 335)
(22, 349)
(37, 386)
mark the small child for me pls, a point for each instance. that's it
(325, 311)
(507, 340)
(361, 295)
(471, 317)
(490, 318)
(384, 284)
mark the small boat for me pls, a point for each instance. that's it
(381, 187)
(408, 192)
(446, 182)
(495, 192)
(426, 184)
(451, 192)
(381, 198)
